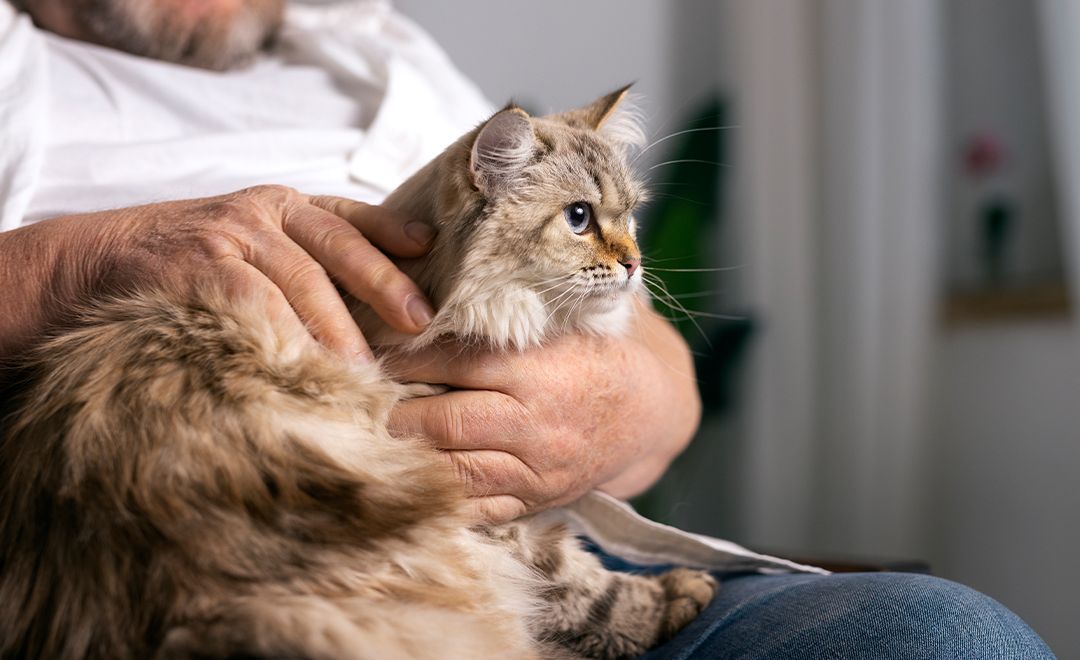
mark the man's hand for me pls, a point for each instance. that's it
(268, 240)
(532, 430)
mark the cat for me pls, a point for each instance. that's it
(185, 478)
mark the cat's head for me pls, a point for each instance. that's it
(536, 225)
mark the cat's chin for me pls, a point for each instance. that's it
(612, 297)
(605, 315)
(604, 302)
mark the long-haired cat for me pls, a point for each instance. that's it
(186, 478)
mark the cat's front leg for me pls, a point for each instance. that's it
(591, 611)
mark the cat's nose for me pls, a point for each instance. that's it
(631, 265)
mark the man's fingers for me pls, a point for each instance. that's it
(360, 267)
(393, 232)
(486, 473)
(241, 280)
(463, 419)
(311, 293)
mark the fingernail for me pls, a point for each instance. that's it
(420, 232)
(419, 310)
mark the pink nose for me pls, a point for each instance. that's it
(631, 266)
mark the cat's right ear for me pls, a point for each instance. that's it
(502, 148)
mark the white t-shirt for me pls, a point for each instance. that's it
(352, 100)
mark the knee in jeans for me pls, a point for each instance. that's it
(921, 615)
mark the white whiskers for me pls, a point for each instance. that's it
(660, 292)
(677, 134)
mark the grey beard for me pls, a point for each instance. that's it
(143, 27)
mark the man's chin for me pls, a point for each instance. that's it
(222, 34)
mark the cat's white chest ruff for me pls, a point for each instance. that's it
(507, 316)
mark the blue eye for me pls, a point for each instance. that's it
(578, 216)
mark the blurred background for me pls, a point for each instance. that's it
(890, 192)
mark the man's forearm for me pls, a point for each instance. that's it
(27, 261)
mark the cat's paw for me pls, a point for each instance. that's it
(687, 592)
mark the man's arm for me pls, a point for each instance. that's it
(528, 431)
(269, 240)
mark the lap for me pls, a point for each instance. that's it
(853, 615)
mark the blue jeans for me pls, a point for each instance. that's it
(850, 616)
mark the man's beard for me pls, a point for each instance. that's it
(151, 28)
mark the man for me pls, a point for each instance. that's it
(346, 103)
(122, 131)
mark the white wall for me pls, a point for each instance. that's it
(1005, 504)
(557, 54)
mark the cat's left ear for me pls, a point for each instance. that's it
(613, 115)
(597, 113)
(503, 146)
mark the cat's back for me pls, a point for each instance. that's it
(176, 368)
(173, 447)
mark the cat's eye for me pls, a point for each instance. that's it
(578, 216)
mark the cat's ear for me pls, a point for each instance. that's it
(502, 148)
(614, 115)
(597, 113)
